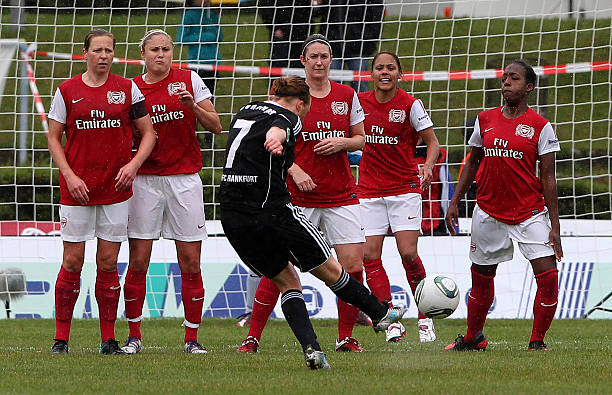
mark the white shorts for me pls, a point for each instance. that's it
(400, 212)
(340, 225)
(107, 222)
(168, 206)
(492, 240)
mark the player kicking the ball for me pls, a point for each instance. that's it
(512, 204)
(271, 235)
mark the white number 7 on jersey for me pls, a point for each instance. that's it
(245, 127)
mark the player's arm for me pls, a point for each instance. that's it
(301, 178)
(275, 137)
(467, 178)
(549, 190)
(433, 152)
(356, 139)
(76, 186)
(127, 173)
(204, 111)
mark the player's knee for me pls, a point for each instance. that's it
(73, 262)
(106, 262)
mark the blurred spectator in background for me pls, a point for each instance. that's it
(289, 24)
(435, 200)
(466, 205)
(353, 28)
(201, 32)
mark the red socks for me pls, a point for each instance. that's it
(107, 296)
(67, 289)
(377, 279)
(134, 291)
(415, 272)
(545, 303)
(192, 290)
(479, 301)
(347, 313)
(265, 300)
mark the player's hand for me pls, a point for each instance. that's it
(330, 146)
(426, 176)
(554, 240)
(452, 218)
(273, 145)
(126, 176)
(77, 188)
(303, 181)
(186, 98)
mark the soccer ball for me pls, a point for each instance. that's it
(437, 296)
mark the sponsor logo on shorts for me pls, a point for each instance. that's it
(115, 97)
(63, 222)
(201, 226)
(472, 246)
(410, 217)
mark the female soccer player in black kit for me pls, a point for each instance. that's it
(270, 235)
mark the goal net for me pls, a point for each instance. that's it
(451, 51)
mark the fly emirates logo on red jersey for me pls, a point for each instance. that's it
(376, 136)
(323, 133)
(160, 114)
(97, 122)
(500, 150)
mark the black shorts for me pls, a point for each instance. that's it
(266, 240)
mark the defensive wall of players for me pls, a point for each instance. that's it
(584, 279)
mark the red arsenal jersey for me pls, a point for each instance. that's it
(507, 186)
(177, 150)
(330, 116)
(388, 166)
(98, 134)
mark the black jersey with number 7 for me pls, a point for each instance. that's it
(252, 177)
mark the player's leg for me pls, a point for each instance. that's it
(545, 302)
(415, 272)
(266, 297)
(342, 227)
(78, 225)
(111, 231)
(311, 253)
(134, 291)
(350, 257)
(490, 245)
(192, 292)
(532, 236)
(376, 276)
(352, 291)
(67, 289)
(252, 282)
(185, 223)
(107, 294)
(145, 210)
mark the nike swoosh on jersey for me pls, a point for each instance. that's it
(115, 287)
(130, 300)
(487, 129)
(196, 299)
(77, 100)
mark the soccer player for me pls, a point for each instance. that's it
(390, 182)
(512, 203)
(96, 110)
(321, 183)
(168, 197)
(270, 234)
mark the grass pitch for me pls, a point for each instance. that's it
(579, 361)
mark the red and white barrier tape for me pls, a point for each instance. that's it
(349, 75)
(40, 108)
